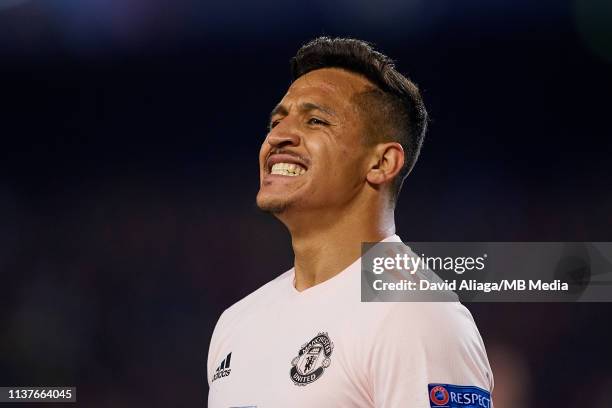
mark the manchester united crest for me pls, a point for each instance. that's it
(312, 360)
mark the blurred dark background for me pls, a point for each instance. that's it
(128, 172)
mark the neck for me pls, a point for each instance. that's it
(325, 247)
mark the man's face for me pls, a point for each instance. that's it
(314, 155)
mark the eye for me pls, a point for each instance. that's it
(316, 122)
(273, 124)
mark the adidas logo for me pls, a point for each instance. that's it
(224, 368)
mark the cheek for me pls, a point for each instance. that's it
(338, 162)
(344, 168)
(352, 166)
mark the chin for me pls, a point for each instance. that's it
(274, 205)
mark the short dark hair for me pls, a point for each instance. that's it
(395, 107)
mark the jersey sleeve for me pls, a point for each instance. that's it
(429, 355)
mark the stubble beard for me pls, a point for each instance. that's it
(273, 206)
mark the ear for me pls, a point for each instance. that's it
(387, 162)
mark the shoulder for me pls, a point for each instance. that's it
(431, 325)
(239, 313)
(426, 316)
(439, 337)
(260, 298)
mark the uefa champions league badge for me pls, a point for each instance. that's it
(458, 396)
(312, 360)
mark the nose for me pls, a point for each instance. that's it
(282, 137)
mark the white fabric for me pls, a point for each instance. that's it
(384, 354)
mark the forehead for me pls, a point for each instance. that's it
(333, 84)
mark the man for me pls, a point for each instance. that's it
(341, 141)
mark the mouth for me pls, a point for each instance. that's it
(287, 169)
(286, 165)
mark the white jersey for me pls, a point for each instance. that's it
(323, 347)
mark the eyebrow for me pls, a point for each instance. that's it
(304, 107)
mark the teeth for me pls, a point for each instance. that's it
(288, 169)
